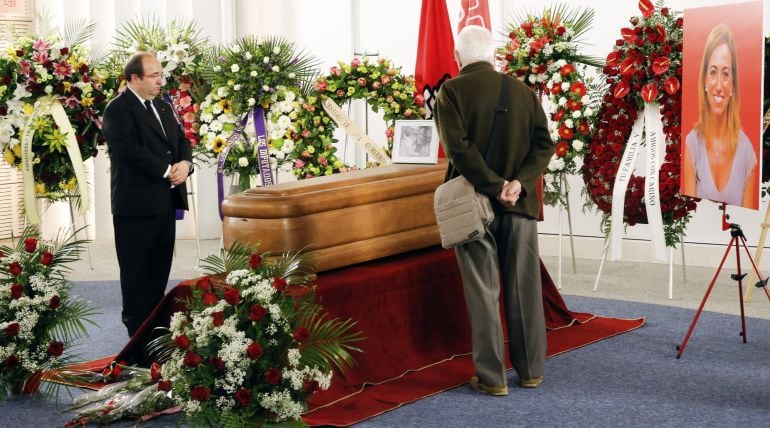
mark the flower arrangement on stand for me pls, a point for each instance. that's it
(39, 320)
(250, 112)
(383, 87)
(766, 132)
(40, 77)
(250, 351)
(644, 67)
(180, 48)
(543, 51)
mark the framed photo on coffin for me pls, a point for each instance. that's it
(415, 141)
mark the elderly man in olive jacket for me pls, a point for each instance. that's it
(465, 111)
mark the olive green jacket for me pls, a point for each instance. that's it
(464, 114)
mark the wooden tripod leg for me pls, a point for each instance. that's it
(758, 254)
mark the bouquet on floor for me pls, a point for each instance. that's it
(251, 350)
(180, 48)
(54, 94)
(39, 320)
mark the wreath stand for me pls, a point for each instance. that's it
(562, 208)
(194, 213)
(738, 239)
(764, 225)
(670, 267)
(75, 231)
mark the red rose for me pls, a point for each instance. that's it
(55, 302)
(46, 258)
(155, 371)
(301, 334)
(650, 92)
(204, 283)
(83, 69)
(671, 85)
(200, 393)
(561, 30)
(17, 290)
(279, 284)
(11, 361)
(56, 348)
(218, 318)
(30, 244)
(664, 11)
(191, 359)
(310, 386)
(562, 148)
(273, 376)
(15, 268)
(257, 312)
(164, 385)
(243, 396)
(12, 329)
(209, 299)
(217, 363)
(182, 341)
(646, 7)
(231, 296)
(254, 350)
(255, 261)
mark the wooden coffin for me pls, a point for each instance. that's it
(344, 218)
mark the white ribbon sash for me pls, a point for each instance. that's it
(358, 135)
(52, 106)
(649, 124)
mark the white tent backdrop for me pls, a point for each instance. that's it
(333, 30)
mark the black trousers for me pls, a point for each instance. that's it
(145, 247)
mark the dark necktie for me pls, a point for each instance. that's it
(148, 106)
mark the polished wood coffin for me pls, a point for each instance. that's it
(343, 218)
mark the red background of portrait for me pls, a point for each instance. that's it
(745, 20)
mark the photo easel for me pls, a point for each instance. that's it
(764, 225)
(738, 239)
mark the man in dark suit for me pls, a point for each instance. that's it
(465, 111)
(150, 161)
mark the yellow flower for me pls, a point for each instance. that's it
(70, 185)
(87, 101)
(227, 107)
(67, 87)
(28, 108)
(56, 141)
(17, 151)
(40, 123)
(11, 52)
(2, 90)
(40, 188)
(219, 144)
(10, 159)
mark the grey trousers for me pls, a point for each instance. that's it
(510, 247)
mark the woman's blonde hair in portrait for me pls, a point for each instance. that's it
(719, 35)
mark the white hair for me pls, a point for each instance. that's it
(474, 44)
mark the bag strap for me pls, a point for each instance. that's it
(502, 108)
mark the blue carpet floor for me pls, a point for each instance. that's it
(632, 380)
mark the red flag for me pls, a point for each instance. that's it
(435, 53)
(474, 12)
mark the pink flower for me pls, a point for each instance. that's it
(336, 71)
(355, 63)
(185, 101)
(189, 117)
(298, 163)
(62, 69)
(41, 45)
(25, 67)
(40, 57)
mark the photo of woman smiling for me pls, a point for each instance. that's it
(719, 160)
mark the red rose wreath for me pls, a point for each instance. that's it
(644, 66)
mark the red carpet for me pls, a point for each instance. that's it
(412, 310)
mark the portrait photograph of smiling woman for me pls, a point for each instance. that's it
(720, 148)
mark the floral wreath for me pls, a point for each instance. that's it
(543, 53)
(53, 68)
(253, 72)
(644, 66)
(180, 49)
(382, 86)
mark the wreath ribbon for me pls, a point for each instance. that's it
(262, 152)
(358, 135)
(44, 106)
(650, 126)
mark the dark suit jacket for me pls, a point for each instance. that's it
(464, 113)
(140, 154)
